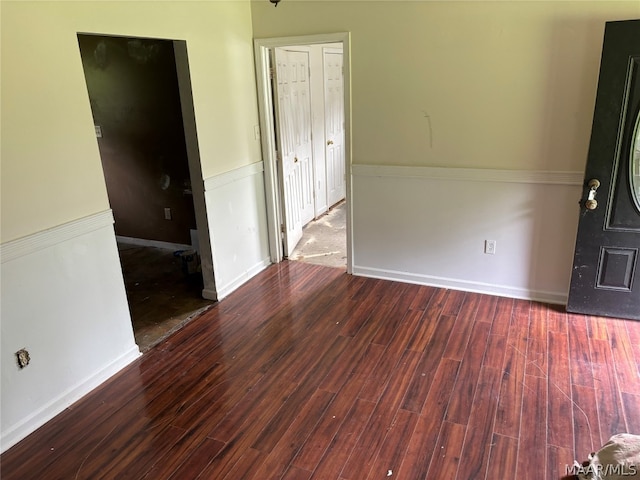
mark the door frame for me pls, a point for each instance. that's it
(209, 290)
(262, 48)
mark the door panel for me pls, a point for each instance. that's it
(301, 125)
(288, 170)
(293, 119)
(622, 214)
(334, 125)
(606, 272)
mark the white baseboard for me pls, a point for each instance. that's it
(463, 285)
(240, 279)
(38, 418)
(143, 242)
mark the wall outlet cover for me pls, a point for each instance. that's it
(23, 357)
(490, 247)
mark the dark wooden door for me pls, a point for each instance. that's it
(606, 270)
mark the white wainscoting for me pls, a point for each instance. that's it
(237, 219)
(428, 226)
(63, 299)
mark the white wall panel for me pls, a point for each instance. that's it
(63, 299)
(238, 225)
(428, 225)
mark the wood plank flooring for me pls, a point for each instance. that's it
(308, 373)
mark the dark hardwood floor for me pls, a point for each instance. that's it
(308, 373)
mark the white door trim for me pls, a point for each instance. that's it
(261, 49)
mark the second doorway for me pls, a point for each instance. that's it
(309, 129)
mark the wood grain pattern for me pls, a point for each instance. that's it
(627, 370)
(308, 373)
(448, 452)
(477, 443)
(504, 457)
(579, 352)
(465, 388)
(537, 344)
(512, 384)
(606, 387)
(425, 435)
(586, 426)
(533, 447)
(560, 411)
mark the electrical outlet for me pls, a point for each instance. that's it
(490, 247)
(167, 214)
(22, 357)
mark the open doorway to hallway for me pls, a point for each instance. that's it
(306, 92)
(136, 101)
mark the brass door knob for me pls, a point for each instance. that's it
(295, 159)
(330, 142)
(591, 204)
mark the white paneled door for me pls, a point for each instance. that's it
(334, 124)
(295, 168)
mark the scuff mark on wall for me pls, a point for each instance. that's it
(429, 127)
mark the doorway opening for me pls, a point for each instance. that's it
(303, 92)
(140, 97)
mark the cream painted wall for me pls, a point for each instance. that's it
(51, 170)
(478, 84)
